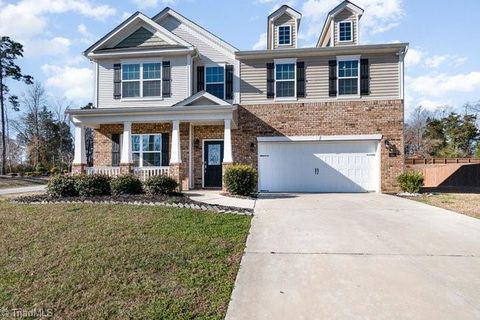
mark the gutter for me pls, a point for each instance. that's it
(302, 52)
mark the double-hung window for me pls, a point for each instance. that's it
(285, 80)
(141, 80)
(284, 35)
(147, 150)
(348, 77)
(345, 31)
(215, 81)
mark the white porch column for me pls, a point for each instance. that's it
(227, 142)
(126, 156)
(175, 148)
(79, 155)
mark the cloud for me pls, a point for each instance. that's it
(28, 18)
(261, 42)
(86, 37)
(419, 57)
(75, 83)
(414, 57)
(56, 46)
(444, 84)
(379, 16)
(152, 3)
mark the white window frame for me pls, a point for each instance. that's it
(141, 152)
(348, 58)
(351, 31)
(222, 65)
(141, 63)
(285, 61)
(290, 35)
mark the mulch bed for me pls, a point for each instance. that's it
(178, 200)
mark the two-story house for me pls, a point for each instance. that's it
(173, 98)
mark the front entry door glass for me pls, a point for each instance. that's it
(213, 158)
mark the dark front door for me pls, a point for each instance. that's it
(213, 157)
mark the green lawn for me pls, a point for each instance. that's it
(119, 261)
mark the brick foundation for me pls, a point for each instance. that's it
(126, 168)
(78, 168)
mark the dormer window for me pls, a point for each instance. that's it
(285, 35)
(345, 31)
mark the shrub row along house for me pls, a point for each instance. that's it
(173, 98)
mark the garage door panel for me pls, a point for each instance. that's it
(318, 166)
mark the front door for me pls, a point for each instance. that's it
(212, 157)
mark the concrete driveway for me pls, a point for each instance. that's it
(357, 256)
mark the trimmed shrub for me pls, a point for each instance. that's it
(61, 186)
(410, 181)
(92, 185)
(126, 184)
(160, 185)
(240, 179)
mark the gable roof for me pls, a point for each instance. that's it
(202, 31)
(284, 9)
(168, 38)
(200, 96)
(343, 5)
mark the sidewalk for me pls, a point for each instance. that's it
(214, 197)
(21, 190)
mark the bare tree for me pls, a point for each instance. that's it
(35, 100)
(415, 128)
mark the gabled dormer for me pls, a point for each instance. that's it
(341, 27)
(282, 31)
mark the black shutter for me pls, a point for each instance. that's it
(165, 148)
(229, 82)
(364, 77)
(166, 79)
(270, 80)
(300, 79)
(117, 81)
(332, 78)
(115, 150)
(200, 78)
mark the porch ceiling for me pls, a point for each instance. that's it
(195, 114)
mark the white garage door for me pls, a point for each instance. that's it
(334, 166)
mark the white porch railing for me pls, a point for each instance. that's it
(146, 172)
(108, 171)
(143, 173)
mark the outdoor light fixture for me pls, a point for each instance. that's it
(252, 146)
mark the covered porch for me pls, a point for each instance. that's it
(192, 144)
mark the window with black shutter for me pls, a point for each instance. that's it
(270, 80)
(200, 78)
(364, 77)
(165, 149)
(166, 78)
(332, 78)
(117, 81)
(300, 79)
(115, 150)
(229, 82)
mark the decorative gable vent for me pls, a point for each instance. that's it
(140, 38)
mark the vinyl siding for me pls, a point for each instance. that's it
(285, 19)
(384, 79)
(345, 15)
(178, 85)
(208, 53)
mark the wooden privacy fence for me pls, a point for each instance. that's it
(416, 161)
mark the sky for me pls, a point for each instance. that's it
(442, 64)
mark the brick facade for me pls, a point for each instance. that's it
(292, 119)
(324, 118)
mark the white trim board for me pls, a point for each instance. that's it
(359, 137)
